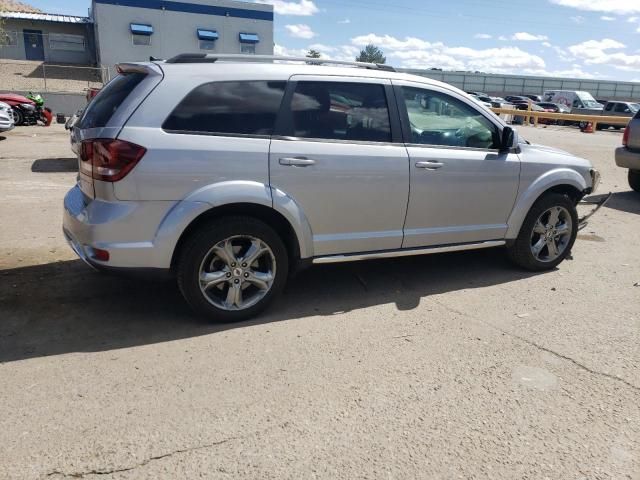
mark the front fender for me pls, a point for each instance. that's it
(526, 199)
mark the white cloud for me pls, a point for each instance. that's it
(502, 38)
(633, 19)
(346, 21)
(482, 36)
(619, 7)
(606, 52)
(300, 31)
(607, 19)
(547, 44)
(579, 19)
(303, 8)
(282, 51)
(528, 37)
(413, 52)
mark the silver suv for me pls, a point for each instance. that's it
(231, 174)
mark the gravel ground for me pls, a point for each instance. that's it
(447, 366)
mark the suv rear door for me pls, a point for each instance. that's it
(109, 110)
(337, 153)
(462, 188)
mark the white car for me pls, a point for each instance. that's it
(6, 118)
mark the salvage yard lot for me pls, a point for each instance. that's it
(447, 366)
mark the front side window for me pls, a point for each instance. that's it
(340, 111)
(236, 108)
(622, 108)
(439, 119)
(609, 107)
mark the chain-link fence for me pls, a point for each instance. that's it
(16, 75)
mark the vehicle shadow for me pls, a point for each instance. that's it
(54, 165)
(65, 307)
(628, 202)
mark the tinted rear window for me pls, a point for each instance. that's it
(109, 99)
(236, 108)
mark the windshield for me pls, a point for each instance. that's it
(587, 100)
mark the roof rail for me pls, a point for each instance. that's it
(214, 57)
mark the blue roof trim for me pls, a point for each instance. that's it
(204, 34)
(249, 38)
(192, 8)
(141, 29)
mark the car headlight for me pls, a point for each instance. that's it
(595, 180)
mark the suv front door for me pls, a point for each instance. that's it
(337, 153)
(462, 188)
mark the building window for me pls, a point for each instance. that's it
(248, 43)
(8, 39)
(247, 49)
(206, 38)
(141, 33)
(58, 41)
(141, 39)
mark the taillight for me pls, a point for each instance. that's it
(625, 137)
(109, 160)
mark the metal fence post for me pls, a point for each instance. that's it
(44, 76)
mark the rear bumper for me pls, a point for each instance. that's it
(140, 237)
(125, 229)
(626, 158)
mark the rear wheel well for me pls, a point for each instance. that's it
(268, 215)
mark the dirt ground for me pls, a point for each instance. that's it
(444, 366)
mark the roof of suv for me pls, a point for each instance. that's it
(235, 70)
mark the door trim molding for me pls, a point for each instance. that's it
(407, 252)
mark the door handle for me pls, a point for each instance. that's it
(430, 165)
(296, 161)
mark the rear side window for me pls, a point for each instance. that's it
(340, 111)
(109, 99)
(234, 108)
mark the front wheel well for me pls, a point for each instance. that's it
(268, 215)
(569, 190)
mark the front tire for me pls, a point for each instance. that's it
(232, 269)
(18, 117)
(634, 180)
(547, 234)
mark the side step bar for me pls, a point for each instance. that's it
(356, 257)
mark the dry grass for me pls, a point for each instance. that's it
(21, 75)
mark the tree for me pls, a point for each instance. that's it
(313, 53)
(371, 54)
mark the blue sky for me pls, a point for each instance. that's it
(577, 38)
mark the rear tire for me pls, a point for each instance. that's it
(634, 180)
(545, 241)
(214, 277)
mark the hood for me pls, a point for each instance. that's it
(551, 155)
(14, 98)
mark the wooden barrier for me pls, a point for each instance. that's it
(593, 119)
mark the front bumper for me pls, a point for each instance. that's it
(584, 221)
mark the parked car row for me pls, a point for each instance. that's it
(27, 110)
(6, 117)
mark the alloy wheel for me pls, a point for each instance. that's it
(237, 272)
(551, 234)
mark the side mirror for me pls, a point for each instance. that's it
(506, 142)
